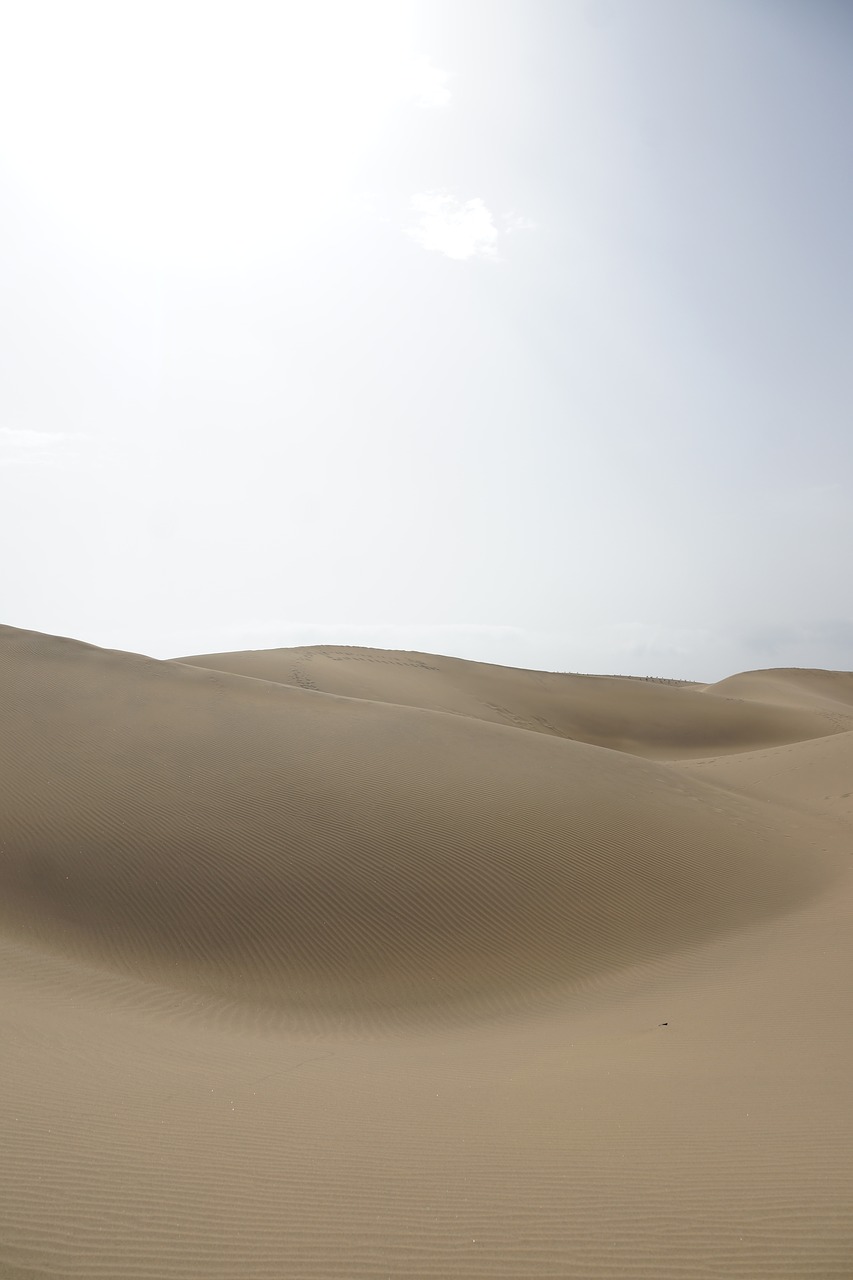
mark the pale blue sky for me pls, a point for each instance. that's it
(514, 330)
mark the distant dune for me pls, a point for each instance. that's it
(656, 719)
(346, 962)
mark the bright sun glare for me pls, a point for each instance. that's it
(201, 132)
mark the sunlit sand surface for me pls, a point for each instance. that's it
(340, 962)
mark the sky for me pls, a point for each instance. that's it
(516, 330)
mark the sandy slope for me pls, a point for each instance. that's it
(656, 719)
(338, 962)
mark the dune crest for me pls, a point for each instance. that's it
(305, 849)
(657, 719)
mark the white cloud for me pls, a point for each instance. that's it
(517, 222)
(22, 446)
(455, 229)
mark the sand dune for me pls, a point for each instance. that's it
(656, 719)
(343, 962)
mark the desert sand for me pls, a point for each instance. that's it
(341, 962)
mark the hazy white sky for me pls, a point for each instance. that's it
(514, 329)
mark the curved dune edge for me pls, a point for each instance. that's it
(330, 856)
(655, 719)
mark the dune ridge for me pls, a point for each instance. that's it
(304, 848)
(656, 719)
(335, 963)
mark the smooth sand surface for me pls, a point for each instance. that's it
(340, 962)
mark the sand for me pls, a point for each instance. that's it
(340, 962)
